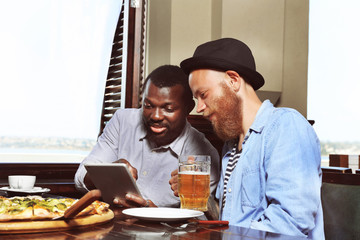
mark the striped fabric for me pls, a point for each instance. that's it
(234, 156)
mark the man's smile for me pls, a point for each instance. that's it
(157, 128)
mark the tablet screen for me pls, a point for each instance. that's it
(113, 180)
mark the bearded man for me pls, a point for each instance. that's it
(271, 173)
(150, 140)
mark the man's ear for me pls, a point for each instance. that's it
(234, 80)
(190, 106)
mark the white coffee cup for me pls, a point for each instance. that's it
(24, 182)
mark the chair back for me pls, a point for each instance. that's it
(341, 206)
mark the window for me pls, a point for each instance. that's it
(118, 92)
(54, 63)
(333, 78)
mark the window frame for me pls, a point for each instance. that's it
(59, 177)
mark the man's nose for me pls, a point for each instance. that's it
(157, 114)
(200, 106)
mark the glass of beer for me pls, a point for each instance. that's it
(194, 181)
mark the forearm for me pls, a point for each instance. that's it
(277, 220)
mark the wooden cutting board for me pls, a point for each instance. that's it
(53, 225)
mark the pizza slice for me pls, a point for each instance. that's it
(15, 209)
(97, 207)
(38, 208)
(51, 207)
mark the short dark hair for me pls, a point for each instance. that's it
(169, 76)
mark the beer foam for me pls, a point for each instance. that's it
(194, 173)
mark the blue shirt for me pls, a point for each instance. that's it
(124, 137)
(276, 183)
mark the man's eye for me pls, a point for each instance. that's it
(202, 95)
(169, 109)
(147, 105)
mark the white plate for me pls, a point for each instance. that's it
(162, 214)
(34, 190)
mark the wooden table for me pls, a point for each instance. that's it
(123, 227)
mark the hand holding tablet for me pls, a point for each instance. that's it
(114, 181)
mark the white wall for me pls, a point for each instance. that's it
(275, 30)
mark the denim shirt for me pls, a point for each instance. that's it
(276, 183)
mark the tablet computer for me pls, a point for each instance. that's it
(113, 180)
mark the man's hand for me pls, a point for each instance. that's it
(174, 182)
(132, 200)
(132, 170)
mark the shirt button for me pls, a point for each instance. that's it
(144, 173)
(229, 190)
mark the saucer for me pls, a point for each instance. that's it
(34, 190)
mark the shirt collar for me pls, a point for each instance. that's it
(175, 146)
(178, 144)
(262, 116)
(257, 126)
(143, 131)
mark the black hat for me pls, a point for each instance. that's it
(225, 54)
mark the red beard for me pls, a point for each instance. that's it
(227, 115)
